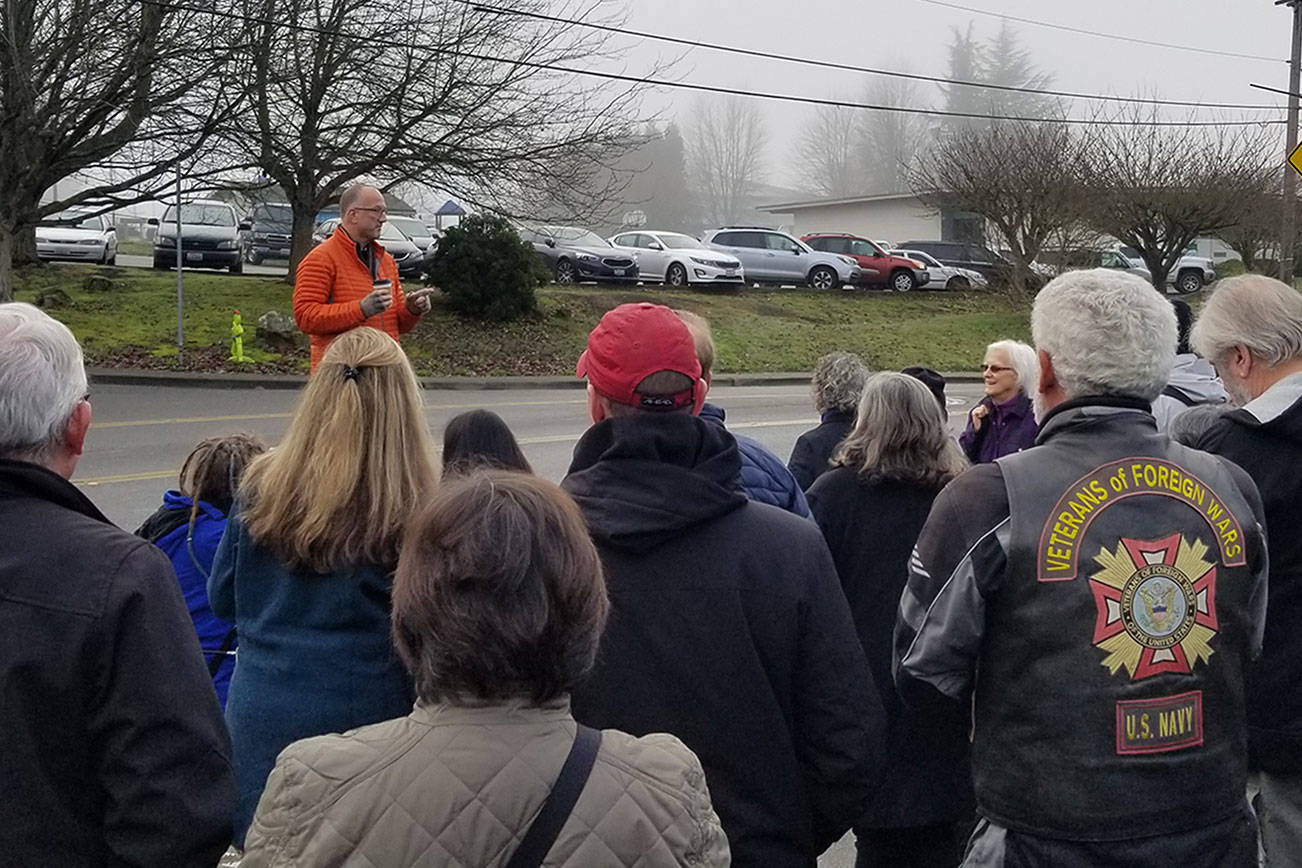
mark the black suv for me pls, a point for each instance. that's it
(271, 227)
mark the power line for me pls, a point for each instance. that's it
(1116, 36)
(706, 88)
(828, 64)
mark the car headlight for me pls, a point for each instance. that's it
(585, 257)
(166, 241)
(913, 263)
(225, 245)
(699, 261)
(848, 261)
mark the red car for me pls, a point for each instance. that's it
(879, 267)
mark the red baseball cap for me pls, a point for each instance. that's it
(632, 342)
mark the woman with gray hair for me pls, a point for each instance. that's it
(1003, 422)
(871, 507)
(836, 385)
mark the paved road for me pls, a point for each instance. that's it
(141, 434)
(274, 268)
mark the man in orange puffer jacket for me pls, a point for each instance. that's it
(335, 286)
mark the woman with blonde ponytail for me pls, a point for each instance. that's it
(305, 568)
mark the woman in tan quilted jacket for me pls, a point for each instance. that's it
(498, 606)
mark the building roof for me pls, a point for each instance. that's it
(787, 207)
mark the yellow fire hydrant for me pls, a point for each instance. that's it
(237, 340)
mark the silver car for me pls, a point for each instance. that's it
(72, 234)
(773, 257)
(678, 260)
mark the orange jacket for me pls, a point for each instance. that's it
(329, 286)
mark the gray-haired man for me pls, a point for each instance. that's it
(1251, 330)
(113, 749)
(1099, 594)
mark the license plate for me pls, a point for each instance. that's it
(730, 272)
(194, 257)
(619, 272)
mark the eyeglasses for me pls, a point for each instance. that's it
(378, 209)
(994, 369)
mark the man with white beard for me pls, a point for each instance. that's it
(1251, 330)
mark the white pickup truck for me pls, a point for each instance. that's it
(1190, 274)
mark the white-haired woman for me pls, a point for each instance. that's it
(871, 507)
(1003, 422)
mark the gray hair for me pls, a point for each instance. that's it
(901, 433)
(1023, 361)
(1254, 311)
(838, 382)
(42, 379)
(1108, 333)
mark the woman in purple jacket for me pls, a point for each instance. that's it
(1003, 421)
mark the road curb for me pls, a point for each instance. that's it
(199, 379)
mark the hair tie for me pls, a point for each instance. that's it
(352, 373)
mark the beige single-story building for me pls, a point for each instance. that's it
(893, 217)
(900, 217)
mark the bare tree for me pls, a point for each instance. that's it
(726, 140)
(1021, 177)
(828, 152)
(117, 94)
(1256, 235)
(1157, 188)
(464, 98)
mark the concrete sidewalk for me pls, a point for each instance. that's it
(224, 380)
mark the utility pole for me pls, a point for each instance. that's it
(1289, 232)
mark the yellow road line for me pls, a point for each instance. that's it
(148, 475)
(248, 417)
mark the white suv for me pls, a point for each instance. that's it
(773, 257)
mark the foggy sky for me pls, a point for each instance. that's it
(914, 36)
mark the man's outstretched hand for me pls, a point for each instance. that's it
(418, 303)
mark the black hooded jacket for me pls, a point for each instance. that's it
(729, 630)
(1265, 439)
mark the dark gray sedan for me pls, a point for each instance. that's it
(574, 255)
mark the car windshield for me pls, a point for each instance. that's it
(571, 236)
(196, 214)
(75, 220)
(389, 232)
(274, 213)
(862, 247)
(409, 225)
(674, 241)
(922, 256)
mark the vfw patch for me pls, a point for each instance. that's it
(1156, 603)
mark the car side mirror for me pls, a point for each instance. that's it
(795, 250)
(246, 226)
(152, 221)
(877, 254)
(655, 245)
(550, 242)
(111, 229)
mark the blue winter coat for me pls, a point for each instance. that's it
(315, 655)
(763, 475)
(191, 559)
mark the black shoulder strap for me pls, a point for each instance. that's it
(1173, 392)
(546, 827)
(222, 653)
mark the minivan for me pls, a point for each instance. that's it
(209, 236)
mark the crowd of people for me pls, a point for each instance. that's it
(1065, 637)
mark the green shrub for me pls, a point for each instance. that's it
(1229, 268)
(486, 270)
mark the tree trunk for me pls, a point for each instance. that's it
(6, 264)
(301, 238)
(1157, 269)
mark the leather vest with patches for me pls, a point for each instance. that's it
(1109, 700)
